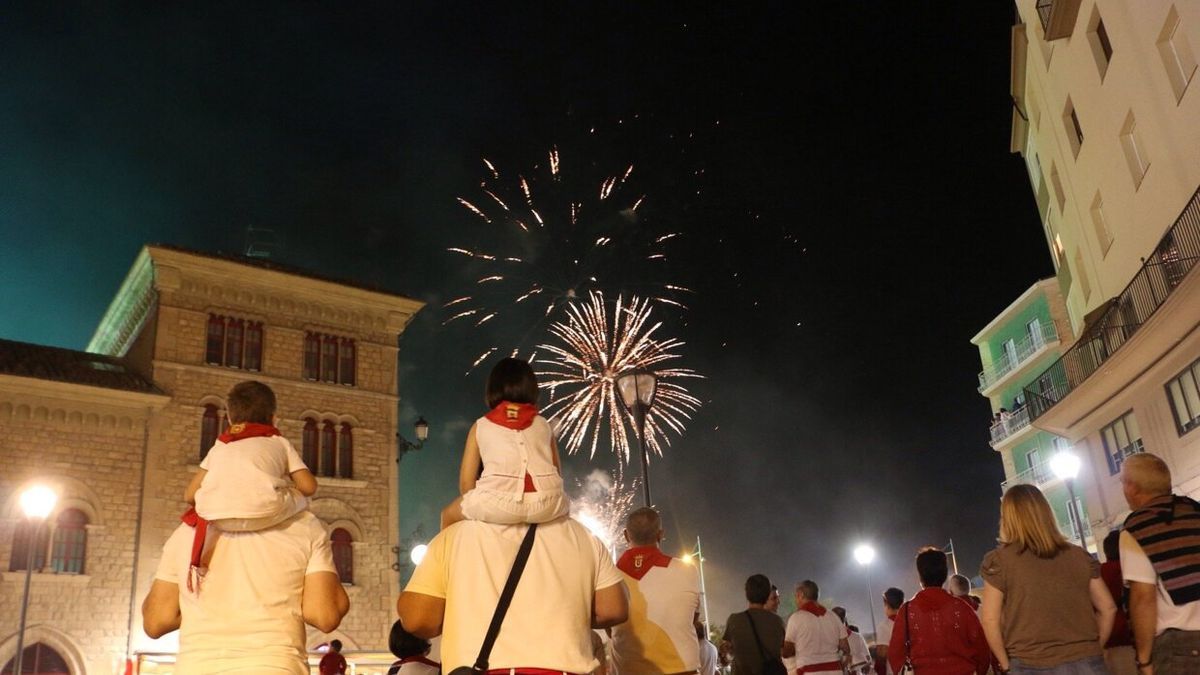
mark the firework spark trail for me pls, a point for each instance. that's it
(581, 370)
(603, 503)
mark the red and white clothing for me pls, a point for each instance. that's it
(816, 633)
(520, 483)
(248, 485)
(664, 596)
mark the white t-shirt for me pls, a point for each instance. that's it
(247, 612)
(548, 624)
(244, 477)
(815, 637)
(859, 653)
(1135, 566)
(708, 658)
(883, 637)
(664, 597)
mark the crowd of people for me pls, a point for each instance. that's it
(512, 585)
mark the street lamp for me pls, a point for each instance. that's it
(417, 554)
(698, 556)
(37, 502)
(1066, 465)
(403, 447)
(637, 393)
(865, 555)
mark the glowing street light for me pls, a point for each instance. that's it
(36, 502)
(1066, 466)
(865, 555)
(698, 556)
(417, 554)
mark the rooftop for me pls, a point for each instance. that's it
(67, 365)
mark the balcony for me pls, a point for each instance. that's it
(1009, 427)
(1025, 350)
(1111, 326)
(1039, 475)
(1058, 17)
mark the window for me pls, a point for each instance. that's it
(1184, 395)
(329, 358)
(1010, 352)
(343, 554)
(1100, 225)
(345, 462)
(1098, 40)
(1060, 195)
(210, 428)
(1176, 53)
(39, 659)
(308, 444)
(328, 449)
(235, 343)
(1084, 284)
(1074, 130)
(70, 542)
(1135, 150)
(1034, 328)
(1121, 439)
(21, 543)
(1031, 458)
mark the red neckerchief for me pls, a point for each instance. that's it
(516, 416)
(637, 561)
(237, 432)
(812, 608)
(195, 568)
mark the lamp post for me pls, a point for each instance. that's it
(403, 447)
(637, 393)
(698, 556)
(865, 555)
(1065, 465)
(37, 502)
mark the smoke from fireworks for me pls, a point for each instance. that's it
(592, 351)
(602, 505)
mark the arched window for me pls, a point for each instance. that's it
(70, 542)
(312, 356)
(343, 554)
(254, 345)
(233, 343)
(346, 362)
(309, 443)
(215, 347)
(328, 449)
(345, 462)
(39, 659)
(21, 544)
(329, 359)
(210, 426)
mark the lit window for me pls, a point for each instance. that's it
(1184, 395)
(70, 542)
(343, 554)
(1121, 439)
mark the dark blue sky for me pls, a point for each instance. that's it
(853, 176)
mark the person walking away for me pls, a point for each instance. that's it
(892, 599)
(755, 635)
(333, 663)
(960, 587)
(1161, 565)
(815, 638)
(1045, 608)
(936, 631)
(708, 652)
(1119, 654)
(664, 604)
(860, 656)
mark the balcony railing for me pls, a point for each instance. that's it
(1025, 349)
(1038, 474)
(1166, 268)
(1057, 17)
(1010, 425)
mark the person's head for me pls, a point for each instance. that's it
(758, 589)
(1112, 546)
(511, 380)
(1143, 477)
(335, 645)
(807, 591)
(772, 604)
(404, 644)
(931, 567)
(892, 599)
(959, 585)
(250, 401)
(841, 613)
(1027, 522)
(644, 527)
(699, 626)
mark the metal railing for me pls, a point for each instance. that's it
(1010, 425)
(1038, 474)
(1176, 254)
(1025, 349)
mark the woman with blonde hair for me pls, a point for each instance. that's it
(1045, 608)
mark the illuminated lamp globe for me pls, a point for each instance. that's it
(417, 554)
(864, 554)
(1065, 465)
(38, 501)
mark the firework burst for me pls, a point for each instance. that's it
(602, 504)
(591, 352)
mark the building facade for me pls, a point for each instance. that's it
(120, 429)
(1107, 119)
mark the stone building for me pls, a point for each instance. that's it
(118, 431)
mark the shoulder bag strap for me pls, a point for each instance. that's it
(761, 652)
(510, 587)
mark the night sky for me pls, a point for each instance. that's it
(840, 172)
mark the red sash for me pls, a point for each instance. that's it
(195, 569)
(820, 667)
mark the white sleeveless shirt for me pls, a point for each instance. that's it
(508, 454)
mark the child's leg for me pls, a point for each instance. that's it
(452, 513)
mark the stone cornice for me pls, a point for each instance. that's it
(127, 312)
(315, 387)
(16, 387)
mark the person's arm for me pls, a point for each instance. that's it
(844, 645)
(160, 609)
(324, 601)
(189, 495)
(305, 482)
(421, 614)
(989, 616)
(468, 472)
(610, 606)
(1106, 609)
(1143, 614)
(896, 651)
